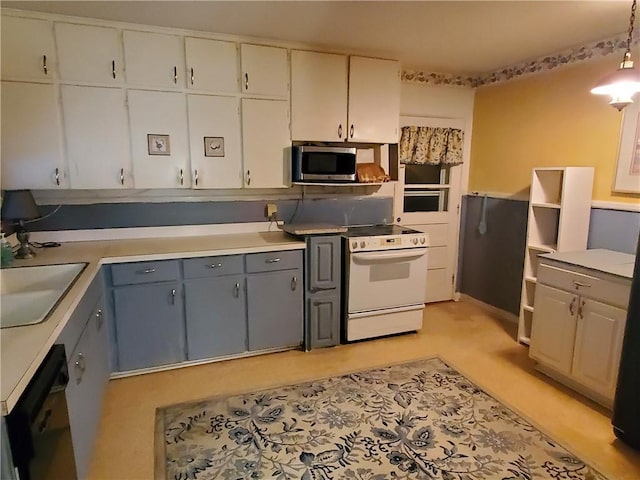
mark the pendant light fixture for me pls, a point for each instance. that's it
(622, 84)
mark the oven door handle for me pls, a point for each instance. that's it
(395, 255)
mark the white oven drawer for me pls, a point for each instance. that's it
(384, 322)
(386, 279)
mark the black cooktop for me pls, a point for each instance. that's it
(376, 230)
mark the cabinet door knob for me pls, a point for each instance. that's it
(236, 290)
(192, 76)
(340, 131)
(173, 296)
(294, 282)
(175, 75)
(195, 177)
(572, 306)
(122, 176)
(45, 69)
(246, 81)
(57, 176)
(248, 177)
(351, 131)
(113, 69)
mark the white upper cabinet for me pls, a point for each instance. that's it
(214, 138)
(212, 65)
(318, 96)
(89, 54)
(266, 143)
(374, 100)
(28, 51)
(154, 59)
(265, 70)
(31, 137)
(159, 139)
(97, 137)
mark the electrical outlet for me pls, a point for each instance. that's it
(271, 211)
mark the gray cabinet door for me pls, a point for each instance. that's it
(323, 267)
(216, 316)
(149, 325)
(324, 320)
(274, 309)
(88, 377)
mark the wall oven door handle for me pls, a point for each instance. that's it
(387, 255)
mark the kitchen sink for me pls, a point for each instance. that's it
(28, 294)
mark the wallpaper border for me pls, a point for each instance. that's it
(600, 48)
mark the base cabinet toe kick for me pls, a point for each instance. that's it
(578, 326)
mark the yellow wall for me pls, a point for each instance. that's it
(548, 119)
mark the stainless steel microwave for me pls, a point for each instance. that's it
(323, 164)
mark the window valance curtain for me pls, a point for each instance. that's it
(431, 146)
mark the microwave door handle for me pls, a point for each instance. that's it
(401, 254)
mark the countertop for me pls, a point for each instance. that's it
(607, 261)
(23, 348)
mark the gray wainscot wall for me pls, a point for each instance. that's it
(339, 211)
(491, 265)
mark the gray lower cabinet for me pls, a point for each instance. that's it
(150, 328)
(88, 378)
(322, 285)
(274, 309)
(215, 316)
(323, 311)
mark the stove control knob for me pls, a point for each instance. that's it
(422, 240)
(415, 241)
(362, 244)
(354, 245)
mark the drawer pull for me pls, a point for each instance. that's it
(99, 319)
(580, 284)
(572, 306)
(148, 270)
(215, 265)
(272, 260)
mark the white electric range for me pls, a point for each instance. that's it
(385, 272)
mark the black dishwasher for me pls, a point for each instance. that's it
(38, 426)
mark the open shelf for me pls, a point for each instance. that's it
(545, 205)
(525, 340)
(528, 308)
(546, 186)
(531, 279)
(551, 248)
(337, 184)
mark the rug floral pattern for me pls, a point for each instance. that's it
(421, 420)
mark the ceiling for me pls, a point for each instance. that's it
(465, 37)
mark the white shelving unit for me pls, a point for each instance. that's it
(559, 212)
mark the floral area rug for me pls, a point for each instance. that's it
(421, 420)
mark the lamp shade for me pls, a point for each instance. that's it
(19, 205)
(621, 85)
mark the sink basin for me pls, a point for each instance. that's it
(28, 294)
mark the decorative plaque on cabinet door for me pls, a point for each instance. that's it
(158, 144)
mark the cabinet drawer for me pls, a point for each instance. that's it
(606, 290)
(271, 261)
(145, 272)
(212, 266)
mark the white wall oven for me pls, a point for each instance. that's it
(385, 281)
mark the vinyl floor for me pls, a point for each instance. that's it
(474, 341)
